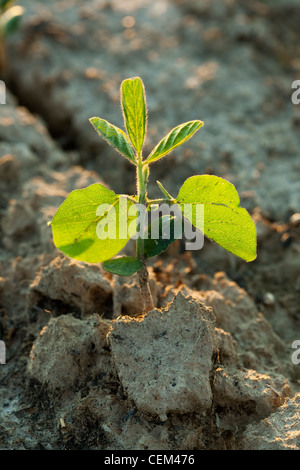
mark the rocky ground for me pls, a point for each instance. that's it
(210, 367)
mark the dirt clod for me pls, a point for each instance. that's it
(163, 367)
(68, 352)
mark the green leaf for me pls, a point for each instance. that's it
(176, 137)
(123, 266)
(84, 232)
(134, 109)
(10, 19)
(115, 137)
(166, 227)
(225, 222)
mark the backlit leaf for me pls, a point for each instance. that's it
(123, 266)
(134, 109)
(92, 224)
(114, 136)
(176, 137)
(225, 222)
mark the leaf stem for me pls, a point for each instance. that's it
(130, 198)
(164, 191)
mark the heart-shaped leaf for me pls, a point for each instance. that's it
(92, 224)
(225, 222)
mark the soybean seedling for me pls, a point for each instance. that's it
(94, 224)
(10, 17)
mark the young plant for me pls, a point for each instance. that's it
(10, 17)
(94, 224)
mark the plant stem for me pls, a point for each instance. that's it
(145, 288)
(2, 57)
(142, 178)
(160, 201)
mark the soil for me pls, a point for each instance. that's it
(211, 366)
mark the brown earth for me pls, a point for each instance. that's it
(210, 367)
